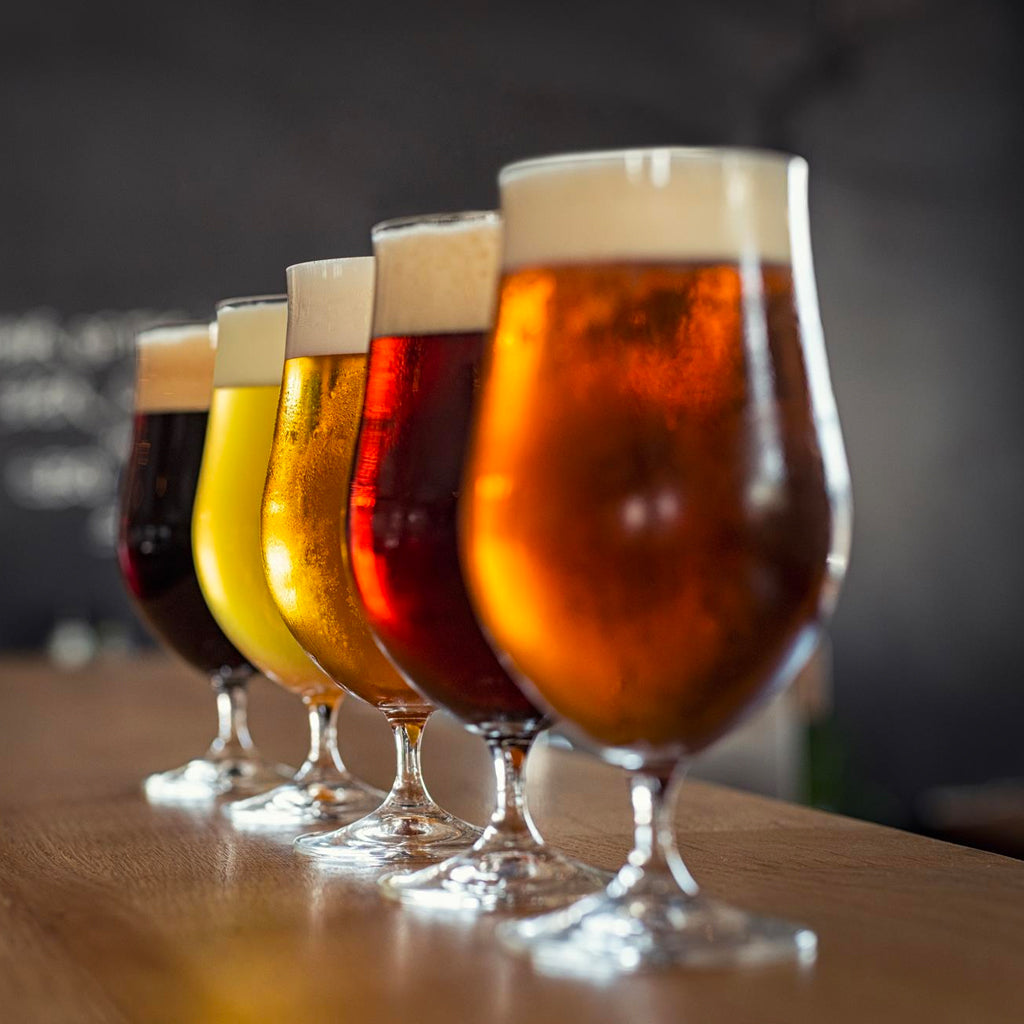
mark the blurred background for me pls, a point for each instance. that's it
(157, 159)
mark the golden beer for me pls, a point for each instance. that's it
(330, 304)
(226, 536)
(304, 510)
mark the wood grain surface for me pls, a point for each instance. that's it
(112, 910)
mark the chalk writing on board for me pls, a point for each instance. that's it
(65, 406)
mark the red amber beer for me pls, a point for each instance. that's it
(421, 386)
(436, 280)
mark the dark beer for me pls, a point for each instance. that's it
(172, 399)
(155, 543)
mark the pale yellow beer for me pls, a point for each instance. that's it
(304, 508)
(226, 519)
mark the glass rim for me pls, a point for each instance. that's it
(752, 154)
(325, 262)
(251, 300)
(437, 219)
(170, 325)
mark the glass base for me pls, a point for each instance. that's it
(204, 780)
(306, 804)
(486, 878)
(621, 931)
(391, 836)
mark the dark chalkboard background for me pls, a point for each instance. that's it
(162, 157)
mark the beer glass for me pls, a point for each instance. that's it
(229, 561)
(436, 282)
(330, 303)
(657, 508)
(172, 397)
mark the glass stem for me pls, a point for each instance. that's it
(408, 792)
(510, 820)
(654, 863)
(323, 762)
(233, 739)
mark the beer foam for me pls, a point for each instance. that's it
(667, 204)
(330, 307)
(436, 275)
(250, 341)
(174, 368)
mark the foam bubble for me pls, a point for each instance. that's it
(436, 275)
(650, 204)
(250, 341)
(330, 307)
(174, 368)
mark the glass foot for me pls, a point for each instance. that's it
(204, 780)
(390, 836)
(305, 804)
(621, 931)
(488, 878)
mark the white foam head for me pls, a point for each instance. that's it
(436, 274)
(669, 204)
(330, 307)
(250, 341)
(174, 368)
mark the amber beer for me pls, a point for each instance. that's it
(305, 500)
(650, 517)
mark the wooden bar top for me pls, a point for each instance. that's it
(113, 910)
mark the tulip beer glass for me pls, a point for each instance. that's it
(229, 560)
(174, 378)
(657, 506)
(330, 303)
